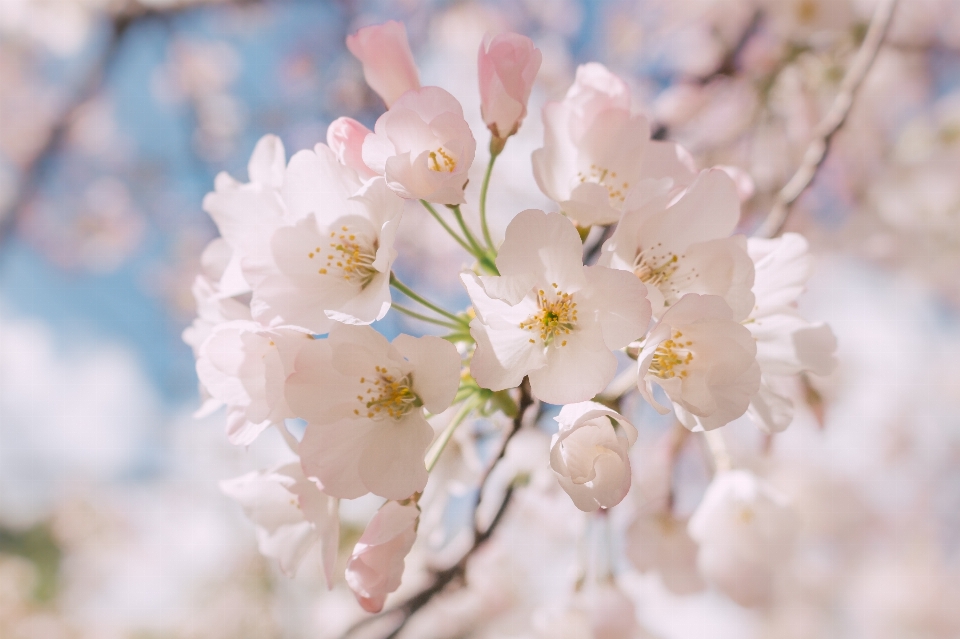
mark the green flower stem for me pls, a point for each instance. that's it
(483, 201)
(425, 318)
(406, 290)
(438, 446)
(478, 250)
(447, 228)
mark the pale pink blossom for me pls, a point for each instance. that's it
(507, 65)
(376, 564)
(590, 455)
(345, 138)
(684, 246)
(787, 344)
(243, 365)
(659, 542)
(548, 316)
(333, 264)
(745, 529)
(597, 154)
(703, 359)
(292, 515)
(388, 64)
(363, 399)
(247, 214)
(423, 147)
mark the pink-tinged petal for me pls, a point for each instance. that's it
(816, 347)
(668, 160)
(545, 244)
(317, 183)
(575, 372)
(345, 138)
(504, 355)
(388, 64)
(619, 300)
(507, 67)
(267, 163)
(376, 565)
(392, 464)
(436, 369)
(708, 210)
(769, 410)
(332, 453)
(430, 102)
(508, 288)
(719, 267)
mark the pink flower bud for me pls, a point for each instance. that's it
(388, 65)
(508, 65)
(345, 138)
(376, 565)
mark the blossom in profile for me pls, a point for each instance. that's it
(243, 365)
(744, 528)
(703, 359)
(388, 65)
(507, 64)
(345, 138)
(549, 317)
(597, 155)
(333, 264)
(292, 516)
(247, 214)
(423, 147)
(377, 561)
(363, 399)
(787, 344)
(685, 246)
(590, 455)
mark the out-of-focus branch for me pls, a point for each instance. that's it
(120, 22)
(455, 574)
(831, 123)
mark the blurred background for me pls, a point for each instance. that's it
(115, 116)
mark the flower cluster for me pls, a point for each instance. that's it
(699, 320)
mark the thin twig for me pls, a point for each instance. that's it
(455, 574)
(831, 123)
(120, 22)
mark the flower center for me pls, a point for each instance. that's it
(616, 190)
(387, 396)
(557, 317)
(654, 271)
(672, 357)
(441, 161)
(348, 257)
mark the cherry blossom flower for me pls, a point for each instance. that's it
(685, 246)
(213, 309)
(589, 455)
(423, 147)
(548, 316)
(507, 65)
(376, 564)
(388, 65)
(787, 344)
(703, 359)
(599, 611)
(363, 399)
(333, 264)
(247, 214)
(243, 365)
(292, 516)
(345, 138)
(596, 153)
(745, 529)
(659, 542)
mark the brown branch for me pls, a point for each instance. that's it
(120, 22)
(456, 574)
(831, 123)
